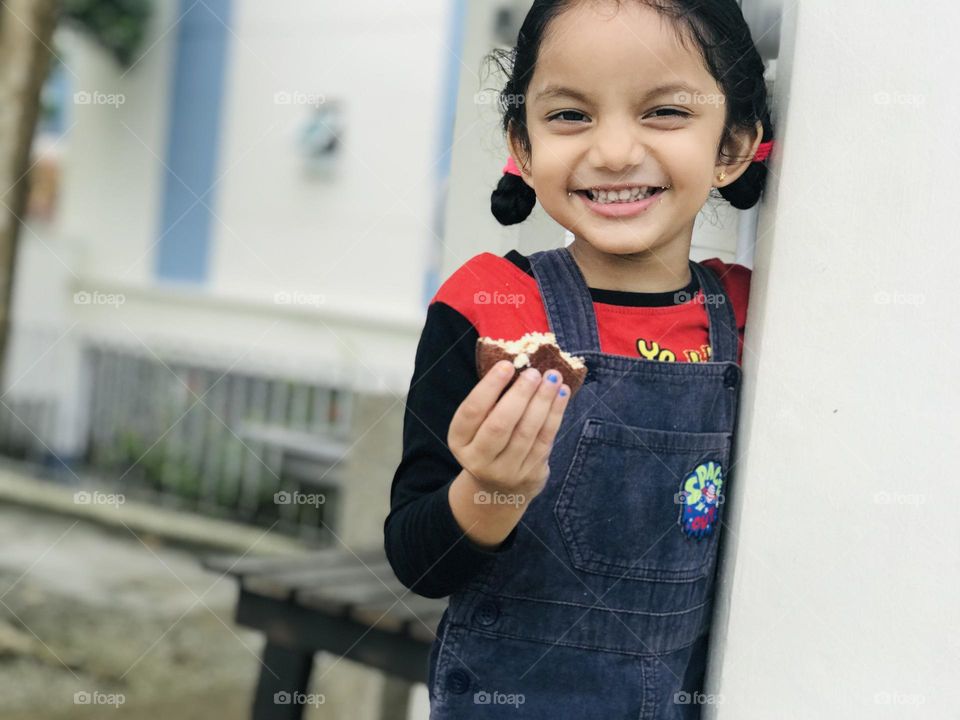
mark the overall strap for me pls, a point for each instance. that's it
(724, 336)
(567, 300)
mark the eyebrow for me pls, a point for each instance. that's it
(552, 91)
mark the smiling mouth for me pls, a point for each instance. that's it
(612, 198)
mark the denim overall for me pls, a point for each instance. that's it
(602, 607)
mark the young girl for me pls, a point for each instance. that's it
(577, 537)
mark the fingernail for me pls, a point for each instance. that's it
(552, 376)
(563, 392)
(531, 373)
(504, 367)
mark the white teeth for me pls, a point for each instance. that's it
(625, 195)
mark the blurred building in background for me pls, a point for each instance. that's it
(230, 247)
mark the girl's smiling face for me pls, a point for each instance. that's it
(616, 99)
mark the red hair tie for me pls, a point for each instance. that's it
(763, 152)
(511, 167)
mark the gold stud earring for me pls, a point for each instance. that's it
(722, 176)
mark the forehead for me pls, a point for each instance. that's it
(630, 47)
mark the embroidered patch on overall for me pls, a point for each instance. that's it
(699, 497)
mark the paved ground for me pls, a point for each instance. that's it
(114, 616)
(118, 615)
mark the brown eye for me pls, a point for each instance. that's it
(565, 112)
(674, 111)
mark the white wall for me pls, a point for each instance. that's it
(363, 239)
(113, 179)
(841, 578)
(356, 248)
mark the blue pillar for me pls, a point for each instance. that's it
(193, 142)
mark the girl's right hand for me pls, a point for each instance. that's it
(505, 444)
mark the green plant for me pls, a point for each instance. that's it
(119, 26)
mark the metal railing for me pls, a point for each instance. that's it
(252, 447)
(190, 431)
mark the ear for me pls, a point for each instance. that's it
(516, 152)
(734, 171)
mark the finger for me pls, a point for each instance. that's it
(543, 445)
(495, 431)
(478, 403)
(528, 428)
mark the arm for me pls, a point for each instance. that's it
(486, 525)
(427, 547)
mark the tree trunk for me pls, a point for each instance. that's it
(26, 32)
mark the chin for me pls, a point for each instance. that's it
(617, 246)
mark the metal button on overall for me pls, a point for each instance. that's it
(731, 376)
(458, 681)
(487, 612)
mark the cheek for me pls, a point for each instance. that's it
(552, 177)
(549, 164)
(553, 157)
(686, 159)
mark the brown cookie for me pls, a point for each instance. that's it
(539, 350)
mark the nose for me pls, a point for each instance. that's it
(617, 145)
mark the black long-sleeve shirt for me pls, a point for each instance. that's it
(498, 297)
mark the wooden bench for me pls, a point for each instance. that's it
(306, 461)
(341, 602)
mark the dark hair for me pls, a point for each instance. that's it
(723, 39)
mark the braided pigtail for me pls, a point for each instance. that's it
(745, 191)
(512, 201)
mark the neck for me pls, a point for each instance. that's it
(662, 270)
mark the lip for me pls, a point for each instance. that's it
(625, 209)
(623, 186)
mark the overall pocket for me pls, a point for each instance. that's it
(643, 503)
